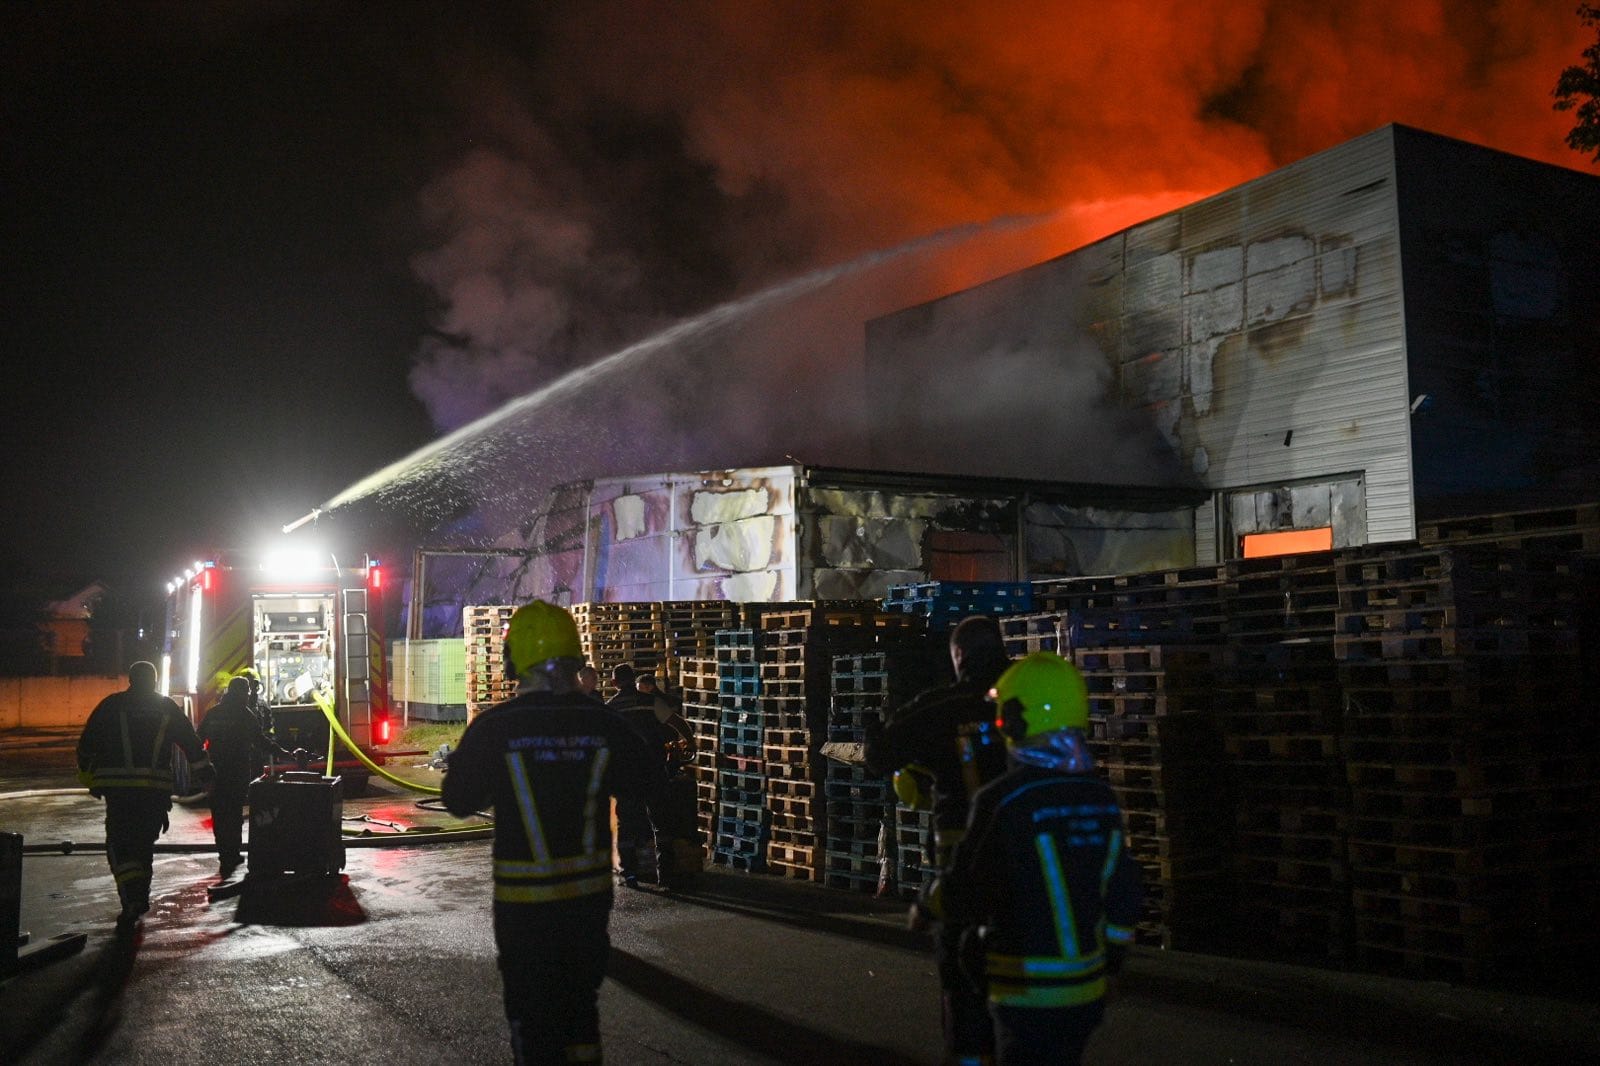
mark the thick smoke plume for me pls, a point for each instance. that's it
(633, 169)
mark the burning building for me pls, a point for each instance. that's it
(1401, 327)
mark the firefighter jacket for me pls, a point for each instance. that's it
(548, 763)
(1044, 867)
(127, 743)
(925, 733)
(235, 741)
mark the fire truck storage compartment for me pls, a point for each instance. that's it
(295, 822)
(294, 647)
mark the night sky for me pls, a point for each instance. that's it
(254, 251)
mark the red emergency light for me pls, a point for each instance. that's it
(375, 577)
(207, 579)
(380, 731)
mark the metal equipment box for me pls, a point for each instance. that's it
(295, 824)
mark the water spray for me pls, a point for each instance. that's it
(718, 318)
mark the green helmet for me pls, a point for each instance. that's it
(538, 632)
(1040, 694)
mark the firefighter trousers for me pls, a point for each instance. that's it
(1043, 1036)
(135, 818)
(968, 1032)
(552, 960)
(227, 819)
(635, 829)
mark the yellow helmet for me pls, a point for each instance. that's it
(1040, 694)
(913, 784)
(538, 632)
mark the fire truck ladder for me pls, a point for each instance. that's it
(357, 663)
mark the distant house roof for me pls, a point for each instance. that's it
(80, 604)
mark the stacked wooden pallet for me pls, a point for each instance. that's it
(1565, 530)
(796, 656)
(1278, 705)
(1179, 606)
(1279, 598)
(1470, 756)
(1157, 743)
(484, 630)
(1025, 634)
(616, 633)
(743, 823)
(702, 712)
(688, 631)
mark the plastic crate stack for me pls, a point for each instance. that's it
(698, 677)
(1470, 748)
(616, 633)
(688, 631)
(1157, 742)
(914, 860)
(944, 603)
(483, 628)
(859, 853)
(1279, 708)
(743, 823)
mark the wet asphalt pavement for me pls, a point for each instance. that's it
(394, 963)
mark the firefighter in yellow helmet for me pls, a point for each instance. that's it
(548, 760)
(1043, 877)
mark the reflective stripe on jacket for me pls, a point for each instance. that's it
(1045, 869)
(548, 764)
(127, 742)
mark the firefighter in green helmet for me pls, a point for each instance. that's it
(548, 760)
(1043, 878)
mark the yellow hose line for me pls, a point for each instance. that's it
(333, 723)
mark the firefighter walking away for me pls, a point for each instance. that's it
(921, 745)
(125, 758)
(1042, 881)
(548, 760)
(237, 744)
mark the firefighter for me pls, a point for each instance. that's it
(1043, 880)
(919, 744)
(257, 702)
(588, 679)
(236, 744)
(635, 824)
(679, 856)
(547, 760)
(125, 758)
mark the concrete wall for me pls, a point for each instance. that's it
(43, 702)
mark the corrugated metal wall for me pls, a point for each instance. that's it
(1263, 329)
(1260, 332)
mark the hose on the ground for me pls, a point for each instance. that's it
(415, 836)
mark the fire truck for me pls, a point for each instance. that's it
(311, 630)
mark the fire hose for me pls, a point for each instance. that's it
(335, 729)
